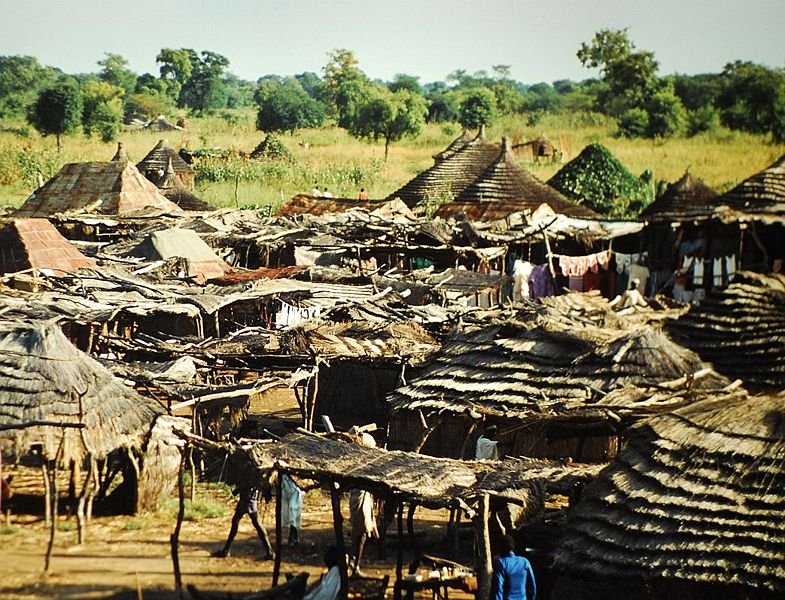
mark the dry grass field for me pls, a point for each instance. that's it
(331, 157)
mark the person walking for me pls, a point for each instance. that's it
(513, 577)
(247, 504)
(291, 508)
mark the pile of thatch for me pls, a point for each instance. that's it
(58, 397)
(272, 148)
(740, 329)
(695, 500)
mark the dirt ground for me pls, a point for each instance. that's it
(129, 557)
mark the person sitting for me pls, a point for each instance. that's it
(487, 447)
(363, 195)
(326, 193)
(330, 584)
(316, 192)
(513, 577)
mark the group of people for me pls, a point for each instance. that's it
(316, 192)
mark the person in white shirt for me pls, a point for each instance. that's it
(316, 192)
(327, 194)
(487, 445)
(330, 584)
(291, 509)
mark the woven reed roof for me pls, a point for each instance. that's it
(35, 243)
(740, 329)
(43, 377)
(450, 175)
(311, 205)
(430, 481)
(113, 188)
(550, 370)
(158, 159)
(687, 195)
(173, 188)
(697, 496)
(763, 192)
(505, 184)
(360, 339)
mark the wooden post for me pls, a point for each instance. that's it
(335, 500)
(80, 508)
(311, 399)
(483, 549)
(456, 535)
(415, 564)
(47, 493)
(174, 539)
(399, 560)
(278, 534)
(53, 499)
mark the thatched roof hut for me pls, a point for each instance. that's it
(761, 195)
(540, 383)
(504, 187)
(173, 188)
(740, 329)
(687, 195)
(112, 188)
(692, 508)
(154, 166)
(450, 174)
(59, 395)
(36, 244)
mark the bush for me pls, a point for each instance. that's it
(634, 123)
(705, 119)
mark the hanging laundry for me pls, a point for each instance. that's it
(730, 266)
(697, 272)
(641, 273)
(521, 272)
(541, 282)
(716, 271)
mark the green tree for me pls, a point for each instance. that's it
(102, 109)
(58, 110)
(405, 82)
(21, 78)
(285, 106)
(176, 67)
(390, 116)
(478, 107)
(751, 98)
(631, 75)
(346, 86)
(204, 90)
(667, 115)
(115, 71)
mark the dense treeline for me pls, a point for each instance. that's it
(744, 96)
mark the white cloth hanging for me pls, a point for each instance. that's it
(697, 272)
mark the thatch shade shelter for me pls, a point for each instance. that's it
(539, 384)
(761, 196)
(740, 329)
(304, 204)
(155, 164)
(504, 184)
(111, 188)
(450, 174)
(692, 508)
(201, 261)
(36, 244)
(45, 379)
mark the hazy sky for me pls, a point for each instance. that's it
(427, 38)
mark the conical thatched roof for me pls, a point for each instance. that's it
(450, 175)
(688, 194)
(111, 188)
(454, 146)
(154, 166)
(172, 187)
(271, 148)
(763, 192)
(161, 123)
(45, 379)
(697, 497)
(524, 370)
(597, 179)
(36, 244)
(740, 329)
(504, 183)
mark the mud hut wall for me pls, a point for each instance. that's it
(353, 392)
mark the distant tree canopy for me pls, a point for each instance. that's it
(345, 86)
(21, 78)
(58, 110)
(478, 107)
(285, 106)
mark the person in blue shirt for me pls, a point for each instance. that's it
(513, 578)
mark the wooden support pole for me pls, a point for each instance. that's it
(399, 560)
(335, 500)
(174, 540)
(415, 564)
(80, 508)
(483, 549)
(53, 524)
(47, 493)
(278, 534)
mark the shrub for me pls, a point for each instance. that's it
(634, 123)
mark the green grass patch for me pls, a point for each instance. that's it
(9, 529)
(67, 526)
(137, 523)
(201, 508)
